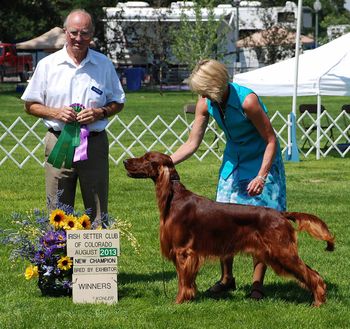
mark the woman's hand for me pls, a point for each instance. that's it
(195, 138)
(260, 120)
(256, 186)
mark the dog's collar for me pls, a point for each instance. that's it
(175, 177)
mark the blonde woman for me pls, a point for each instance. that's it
(252, 170)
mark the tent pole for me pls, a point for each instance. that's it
(292, 153)
(292, 150)
(318, 127)
(297, 51)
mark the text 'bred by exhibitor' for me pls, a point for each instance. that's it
(94, 265)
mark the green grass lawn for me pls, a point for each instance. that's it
(147, 284)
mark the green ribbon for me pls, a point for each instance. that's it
(65, 146)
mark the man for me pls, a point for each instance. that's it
(76, 75)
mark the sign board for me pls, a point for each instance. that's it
(92, 265)
(93, 243)
(95, 289)
(94, 254)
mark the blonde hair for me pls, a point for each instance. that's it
(209, 78)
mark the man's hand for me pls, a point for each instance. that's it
(89, 115)
(66, 114)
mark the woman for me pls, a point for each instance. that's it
(252, 170)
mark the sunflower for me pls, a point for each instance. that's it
(57, 218)
(64, 263)
(85, 222)
(31, 272)
(72, 223)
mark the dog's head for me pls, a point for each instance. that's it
(151, 165)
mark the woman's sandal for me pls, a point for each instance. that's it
(257, 292)
(220, 288)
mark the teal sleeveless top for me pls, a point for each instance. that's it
(245, 147)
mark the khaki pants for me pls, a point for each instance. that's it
(93, 176)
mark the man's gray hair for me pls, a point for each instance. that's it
(81, 11)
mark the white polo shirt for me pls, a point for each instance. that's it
(57, 81)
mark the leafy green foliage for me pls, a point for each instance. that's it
(25, 19)
(199, 39)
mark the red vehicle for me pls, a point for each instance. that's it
(13, 63)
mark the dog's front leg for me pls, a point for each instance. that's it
(187, 266)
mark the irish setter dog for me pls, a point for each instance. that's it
(193, 228)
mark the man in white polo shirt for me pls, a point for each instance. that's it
(77, 75)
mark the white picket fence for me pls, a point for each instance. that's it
(21, 142)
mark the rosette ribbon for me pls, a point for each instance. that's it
(81, 151)
(68, 140)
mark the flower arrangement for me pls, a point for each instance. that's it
(40, 239)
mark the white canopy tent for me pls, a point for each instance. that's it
(49, 41)
(44, 44)
(322, 71)
(266, 37)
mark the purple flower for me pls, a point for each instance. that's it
(61, 238)
(53, 238)
(48, 270)
(39, 257)
(49, 238)
(48, 252)
(67, 284)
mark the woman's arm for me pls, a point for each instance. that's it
(196, 135)
(260, 120)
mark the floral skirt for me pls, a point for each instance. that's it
(234, 190)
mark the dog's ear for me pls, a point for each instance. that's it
(172, 171)
(165, 162)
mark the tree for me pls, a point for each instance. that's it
(332, 13)
(144, 39)
(277, 39)
(24, 19)
(198, 39)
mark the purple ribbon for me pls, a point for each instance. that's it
(81, 151)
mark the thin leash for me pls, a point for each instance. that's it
(163, 277)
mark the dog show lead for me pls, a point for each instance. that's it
(193, 228)
(252, 171)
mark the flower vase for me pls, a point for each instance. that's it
(53, 287)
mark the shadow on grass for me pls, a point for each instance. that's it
(291, 292)
(126, 278)
(155, 282)
(287, 292)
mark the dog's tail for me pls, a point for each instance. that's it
(313, 225)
